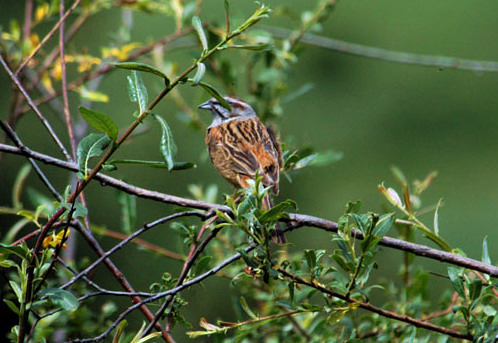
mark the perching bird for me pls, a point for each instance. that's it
(241, 146)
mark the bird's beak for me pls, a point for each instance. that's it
(205, 105)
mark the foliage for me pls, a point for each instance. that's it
(312, 295)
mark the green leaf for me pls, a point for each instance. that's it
(485, 253)
(142, 67)
(17, 290)
(319, 159)
(12, 306)
(353, 206)
(29, 215)
(436, 217)
(253, 47)
(119, 332)
(456, 281)
(201, 71)
(6, 250)
(197, 24)
(137, 90)
(202, 264)
(19, 185)
(383, 225)
(92, 145)
(60, 297)
(277, 211)
(310, 258)
(246, 308)
(167, 147)
(154, 164)
(100, 121)
(128, 204)
(247, 259)
(214, 93)
(475, 289)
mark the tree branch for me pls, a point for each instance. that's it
(379, 311)
(295, 220)
(389, 55)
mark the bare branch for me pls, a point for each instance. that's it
(35, 108)
(389, 55)
(137, 233)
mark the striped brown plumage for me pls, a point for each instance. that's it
(241, 146)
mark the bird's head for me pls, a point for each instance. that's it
(240, 110)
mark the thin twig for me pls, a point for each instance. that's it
(55, 51)
(35, 108)
(195, 252)
(147, 245)
(161, 295)
(107, 67)
(65, 98)
(374, 309)
(117, 247)
(47, 37)
(442, 62)
(295, 220)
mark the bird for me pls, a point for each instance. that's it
(241, 146)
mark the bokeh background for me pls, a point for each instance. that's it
(377, 113)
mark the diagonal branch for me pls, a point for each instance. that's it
(47, 37)
(161, 295)
(35, 108)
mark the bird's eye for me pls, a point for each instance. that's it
(270, 169)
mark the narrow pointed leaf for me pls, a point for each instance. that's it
(201, 71)
(141, 67)
(100, 121)
(197, 24)
(154, 164)
(436, 217)
(137, 90)
(214, 93)
(485, 252)
(167, 147)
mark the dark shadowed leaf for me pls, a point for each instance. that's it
(456, 281)
(6, 250)
(60, 297)
(100, 121)
(277, 211)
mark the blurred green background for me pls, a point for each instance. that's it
(377, 113)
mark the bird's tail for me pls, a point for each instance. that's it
(279, 236)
